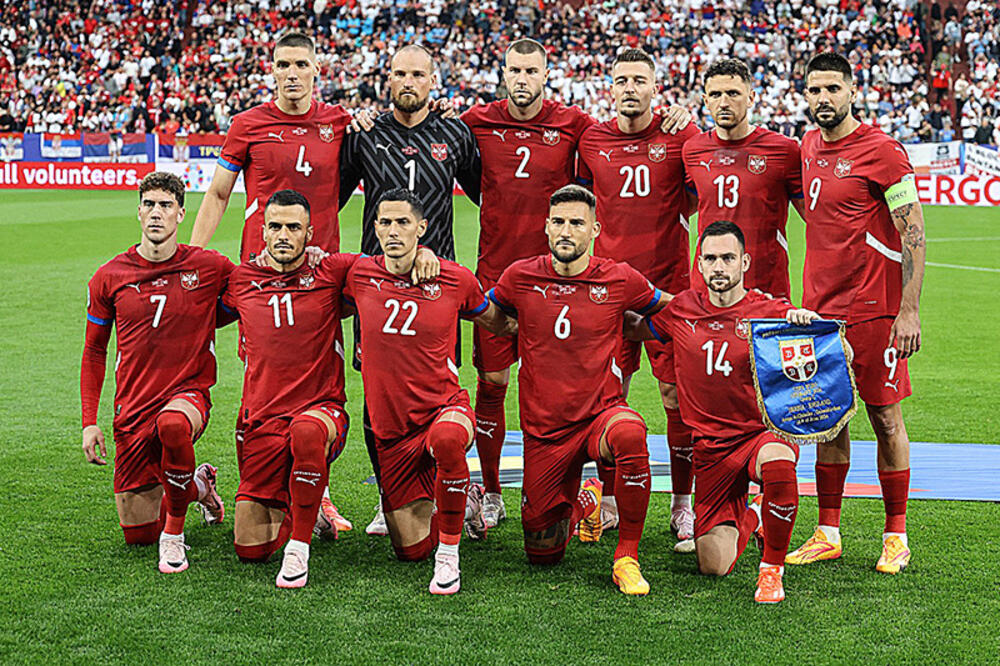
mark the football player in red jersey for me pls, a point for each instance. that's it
(570, 306)
(744, 174)
(715, 387)
(292, 142)
(161, 298)
(419, 414)
(528, 148)
(637, 175)
(864, 263)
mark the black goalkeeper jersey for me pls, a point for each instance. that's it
(427, 159)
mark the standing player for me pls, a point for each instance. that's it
(420, 415)
(745, 174)
(161, 298)
(528, 151)
(864, 263)
(715, 386)
(637, 175)
(569, 307)
(293, 142)
(415, 149)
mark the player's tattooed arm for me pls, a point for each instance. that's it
(905, 334)
(549, 538)
(426, 266)
(674, 119)
(496, 322)
(362, 121)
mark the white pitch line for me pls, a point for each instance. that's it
(958, 240)
(964, 268)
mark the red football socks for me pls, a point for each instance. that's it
(451, 484)
(781, 503)
(491, 424)
(177, 463)
(607, 474)
(830, 479)
(627, 440)
(309, 475)
(895, 490)
(681, 453)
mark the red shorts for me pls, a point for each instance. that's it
(883, 378)
(265, 455)
(723, 476)
(492, 353)
(661, 359)
(406, 466)
(138, 453)
(553, 469)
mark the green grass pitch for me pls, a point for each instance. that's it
(74, 593)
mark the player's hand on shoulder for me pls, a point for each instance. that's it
(674, 118)
(362, 121)
(94, 447)
(261, 259)
(445, 107)
(905, 333)
(801, 316)
(314, 255)
(426, 266)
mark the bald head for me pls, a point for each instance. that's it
(411, 77)
(412, 52)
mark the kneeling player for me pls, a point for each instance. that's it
(162, 299)
(731, 445)
(419, 414)
(293, 387)
(569, 307)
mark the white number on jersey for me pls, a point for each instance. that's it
(160, 300)
(525, 154)
(891, 361)
(394, 307)
(636, 181)
(301, 165)
(275, 302)
(562, 328)
(729, 190)
(411, 169)
(814, 187)
(720, 363)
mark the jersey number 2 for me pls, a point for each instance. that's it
(394, 307)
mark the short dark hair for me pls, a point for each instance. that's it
(830, 62)
(402, 194)
(634, 55)
(167, 182)
(288, 198)
(723, 228)
(526, 47)
(573, 193)
(728, 67)
(415, 47)
(294, 38)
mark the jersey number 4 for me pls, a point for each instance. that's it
(719, 362)
(301, 165)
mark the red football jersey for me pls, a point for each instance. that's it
(853, 251)
(638, 180)
(277, 151)
(408, 336)
(523, 164)
(569, 330)
(749, 182)
(712, 360)
(164, 318)
(291, 328)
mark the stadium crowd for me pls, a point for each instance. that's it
(141, 66)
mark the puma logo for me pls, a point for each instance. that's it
(377, 283)
(893, 385)
(173, 482)
(278, 136)
(605, 154)
(808, 161)
(691, 324)
(259, 285)
(683, 454)
(640, 484)
(707, 165)
(502, 134)
(134, 285)
(541, 290)
(786, 517)
(484, 431)
(385, 147)
(302, 479)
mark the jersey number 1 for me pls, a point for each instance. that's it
(275, 303)
(720, 363)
